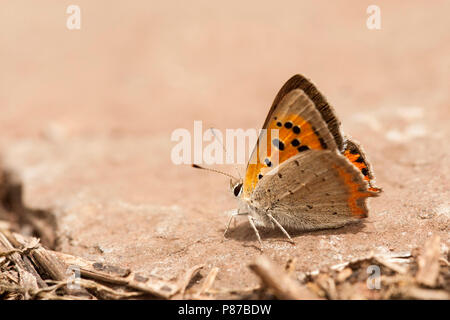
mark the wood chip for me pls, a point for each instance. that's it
(24, 266)
(121, 277)
(278, 281)
(424, 294)
(328, 286)
(207, 284)
(428, 263)
(184, 282)
(344, 275)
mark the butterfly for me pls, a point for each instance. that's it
(321, 179)
(304, 174)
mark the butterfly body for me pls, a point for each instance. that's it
(307, 176)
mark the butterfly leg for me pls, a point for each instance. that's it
(233, 214)
(250, 219)
(281, 227)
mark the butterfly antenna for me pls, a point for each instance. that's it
(225, 151)
(214, 170)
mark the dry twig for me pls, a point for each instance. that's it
(428, 263)
(278, 281)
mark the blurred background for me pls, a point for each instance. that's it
(148, 66)
(86, 115)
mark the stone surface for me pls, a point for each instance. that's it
(86, 118)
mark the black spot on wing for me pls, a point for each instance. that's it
(278, 144)
(323, 144)
(303, 148)
(288, 125)
(295, 142)
(365, 171)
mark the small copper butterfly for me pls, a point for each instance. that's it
(322, 178)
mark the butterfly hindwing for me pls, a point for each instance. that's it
(314, 190)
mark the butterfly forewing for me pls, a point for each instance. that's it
(299, 127)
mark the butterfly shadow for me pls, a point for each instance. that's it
(243, 232)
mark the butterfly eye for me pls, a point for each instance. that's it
(237, 189)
